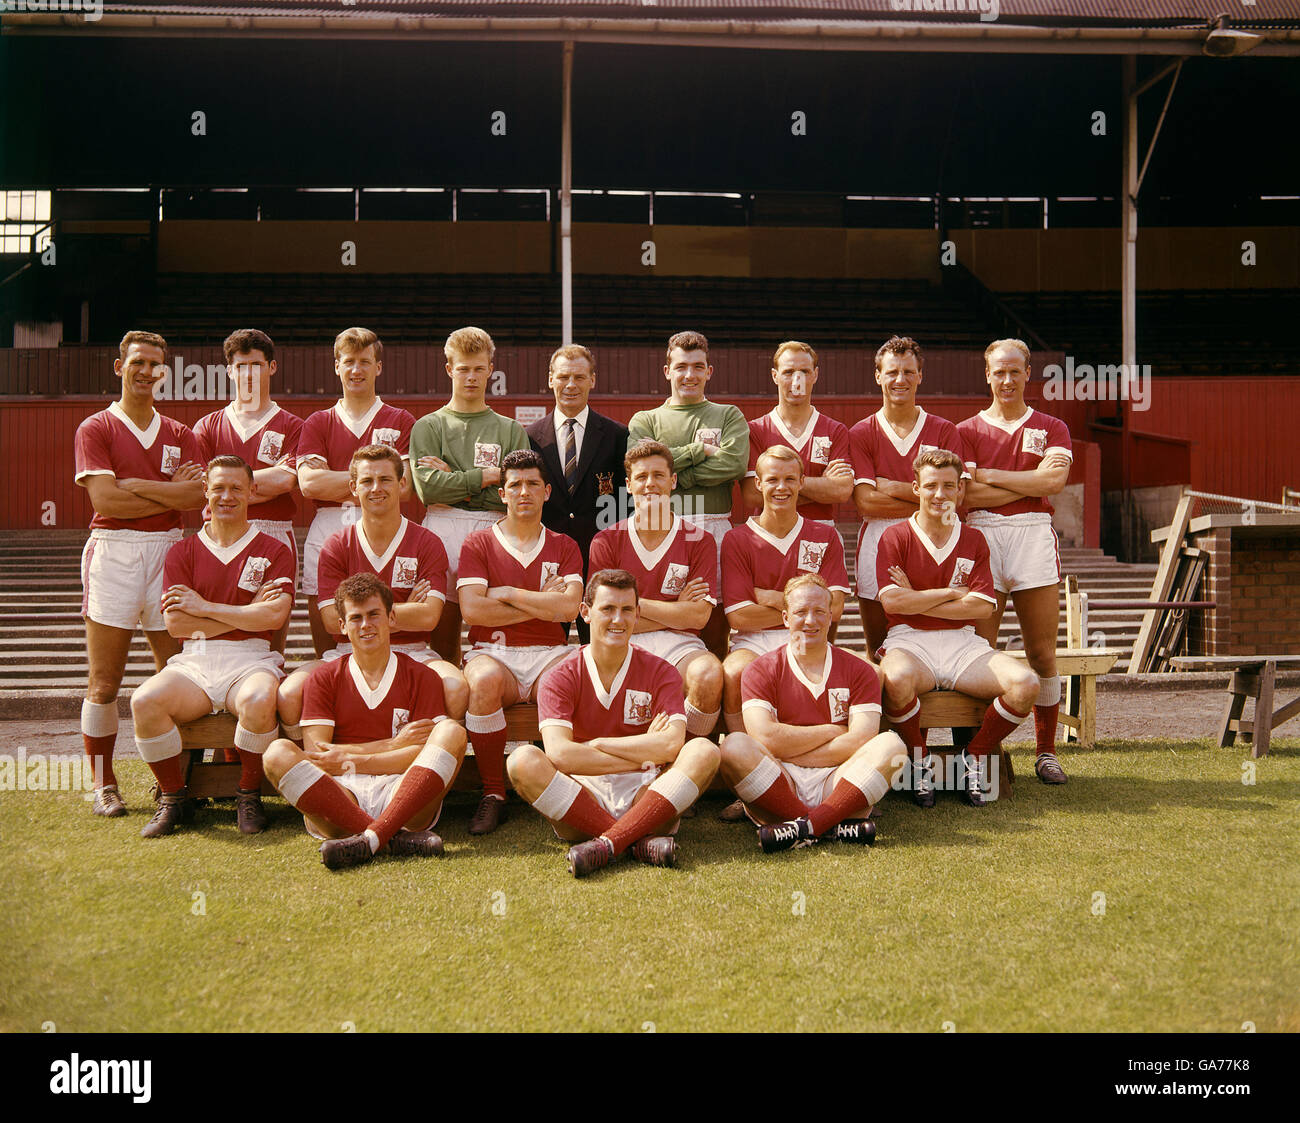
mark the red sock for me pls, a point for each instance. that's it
(587, 816)
(779, 800)
(168, 774)
(229, 756)
(490, 756)
(1045, 727)
(250, 770)
(994, 728)
(327, 802)
(909, 728)
(419, 788)
(845, 798)
(100, 752)
(647, 815)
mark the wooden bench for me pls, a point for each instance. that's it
(1252, 677)
(216, 778)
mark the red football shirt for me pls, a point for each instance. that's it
(336, 695)
(330, 437)
(775, 682)
(1017, 446)
(823, 439)
(753, 559)
(487, 559)
(270, 440)
(109, 444)
(414, 554)
(878, 451)
(571, 695)
(963, 562)
(661, 573)
(230, 574)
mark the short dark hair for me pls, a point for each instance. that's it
(248, 339)
(152, 338)
(899, 345)
(643, 450)
(231, 461)
(520, 461)
(686, 341)
(609, 579)
(359, 588)
(938, 458)
(374, 453)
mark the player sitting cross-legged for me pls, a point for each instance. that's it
(812, 762)
(935, 582)
(379, 751)
(617, 770)
(226, 591)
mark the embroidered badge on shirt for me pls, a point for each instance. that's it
(961, 572)
(400, 718)
(811, 555)
(821, 450)
(1035, 442)
(604, 483)
(549, 570)
(268, 452)
(486, 455)
(171, 459)
(254, 573)
(636, 707)
(385, 437)
(709, 436)
(674, 579)
(404, 573)
(839, 696)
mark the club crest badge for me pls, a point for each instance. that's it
(927, 448)
(171, 459)
(268, 452)
(961, 572)
(811, 555)
(839, 697)
(636, 707)
(1035, 442)
(709, 436)
(549, 570)
(400, 718)
(253, 574)
(821, 450)
(385, 437)
(486, 455)
(674, 579)
(404, 573)
(604, 483)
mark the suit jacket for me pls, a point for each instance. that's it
(600, 493)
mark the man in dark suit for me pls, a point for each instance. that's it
(583, 451)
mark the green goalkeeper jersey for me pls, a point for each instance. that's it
(703, 482)
(468, 443)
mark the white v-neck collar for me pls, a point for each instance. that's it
(816, 689)
(226, 554)
(147, 436)
(524, 560)
(255, 426)
(1007, 426)
(938, 553)
(651, 558)
(372, 698)
(606, 698)
(796, 443)
(378, 561)
(782, 544)
(905, 445)
(357, 428)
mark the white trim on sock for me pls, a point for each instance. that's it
(867, 779)
(98, 719)
(252, 742)
(914, 708)
(1008, 713)
(1049, 692)
(293, 732)
(486, 723)
(436, 759)
(163, 747)
(555, 801)
(677, 788)
(298, 779)
(371, 838)
(765, 774)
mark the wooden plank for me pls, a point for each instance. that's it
(1223, 662)
(1170, 555)
(1231, 715)
(1263, 712)
(1075, 627)
(216, 731)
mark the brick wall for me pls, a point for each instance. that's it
(1254, 575)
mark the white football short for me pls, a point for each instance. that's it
(669, 645)
(1024, 552)
(525, 663)
(947, 652)
(216, 666)
(617, 793)
(453, 526)
(812, 785)
(328, 520)
(760, 643)
(373, 794)
(865, 563)
(281, 532)
(122, 577)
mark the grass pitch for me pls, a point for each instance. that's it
(990, 920)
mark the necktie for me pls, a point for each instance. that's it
(570, 455)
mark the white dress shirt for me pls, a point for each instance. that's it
(579, 431)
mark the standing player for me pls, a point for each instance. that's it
(883, 447)
(520, 585)
(821, 442)
(934, 580)
(404, 556)
(812, 762)
(329, 438)
(379, 752)
(228, 589)
(141, 470)
(759, 557)
(261, 434)
(1019, 456)
(676, 578)
(617, 769)
(457, 453)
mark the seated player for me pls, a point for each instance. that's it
(226, 590)
(520, 586)
(676, 577)
(617, 770)
(934, 580)
(379, 751)
(759, 557)
(812, 762)
(407, 558)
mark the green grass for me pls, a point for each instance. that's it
(984, 919)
